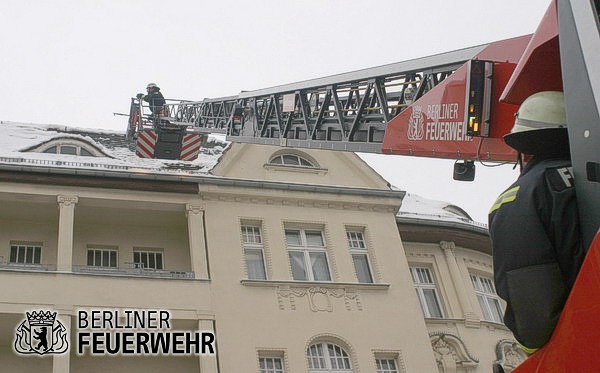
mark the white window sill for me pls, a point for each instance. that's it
(291, 168)
(311, 284)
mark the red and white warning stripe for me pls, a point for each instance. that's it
(190, 147)
(144, 146)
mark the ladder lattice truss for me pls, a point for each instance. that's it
(348, 111)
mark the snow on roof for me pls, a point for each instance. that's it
(17, 140)
(417, 207)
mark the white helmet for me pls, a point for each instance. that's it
(540, 125)
(152, 85)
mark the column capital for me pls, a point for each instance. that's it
(448, 246)
(195, 209)
(67, 200)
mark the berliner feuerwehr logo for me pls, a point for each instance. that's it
(41, 333)
(415, 124)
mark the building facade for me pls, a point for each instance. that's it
(293, 261)
(449, 258)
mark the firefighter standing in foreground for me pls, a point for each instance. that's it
(534, 224)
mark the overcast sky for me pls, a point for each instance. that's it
(75, 62)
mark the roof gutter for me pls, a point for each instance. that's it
(466, 226)
(209, 180)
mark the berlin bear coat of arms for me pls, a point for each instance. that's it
(41, 333)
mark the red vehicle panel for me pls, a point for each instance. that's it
(539, 68)
(573, 346)
(435, 126)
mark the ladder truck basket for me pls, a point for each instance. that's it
(158, 137)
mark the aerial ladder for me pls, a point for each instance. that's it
(455, 105)
(348, 112)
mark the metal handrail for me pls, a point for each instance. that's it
(130, 270)
(26, 266)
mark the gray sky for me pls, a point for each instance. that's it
(75, 62)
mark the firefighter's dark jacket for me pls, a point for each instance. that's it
(537, 248)
(155, 100)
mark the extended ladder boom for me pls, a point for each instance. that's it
(347, 111)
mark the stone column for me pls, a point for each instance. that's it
(198, 256)
(61, 363)
(208, 363)
(469, 315)
(66, 220)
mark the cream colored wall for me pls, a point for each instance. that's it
(127, 229)
(127, 364)
(246, 161)
(254, 316)
(30, 222)
(11, 362)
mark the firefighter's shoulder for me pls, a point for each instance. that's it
(510, 195)
(560, 178)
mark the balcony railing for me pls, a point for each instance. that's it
(131, 269)
(25, 266)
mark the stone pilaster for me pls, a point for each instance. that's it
(66, 220)
(460, 286)
(198, 252)
(208, 363)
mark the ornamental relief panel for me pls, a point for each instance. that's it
(509, 355)
(318, 298)
(451, 354)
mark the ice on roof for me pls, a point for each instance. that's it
(17, 138)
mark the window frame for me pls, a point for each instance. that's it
(25, 246)
(326, 360)
(256, 247)
(379, 366)
(110, 250)
(274, 369)
(485, 296)
(79, 149)
(421, 286)
(360, 250)
(148, 252)
(306, 251)
(300, 159)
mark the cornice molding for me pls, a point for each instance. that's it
(300, 202)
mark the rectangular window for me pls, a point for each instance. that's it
(148, 259)
(254, 253)
(386, 365)
(102, 257)
(308, 255)
(270, 365)
(426, 292)
(25, 253)
(487, 298)
(360, 256)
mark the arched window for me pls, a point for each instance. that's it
(68, 146)
(69, 149)
(291, 160)
(328, 357)
(457, 211)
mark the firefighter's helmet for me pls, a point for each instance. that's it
(152, 85)
(540, 125)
